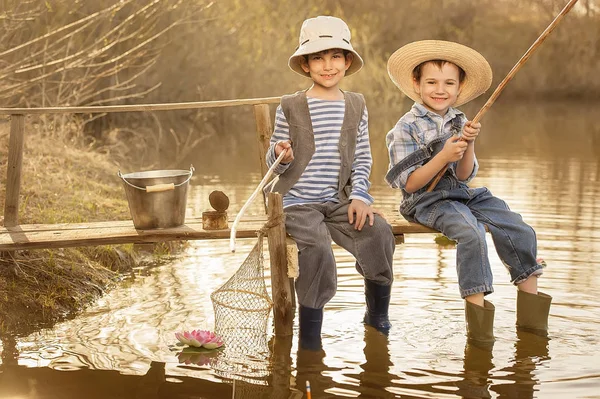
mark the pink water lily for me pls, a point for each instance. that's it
(200, 338)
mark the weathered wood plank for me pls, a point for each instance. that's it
(116, 223)
(139, 107)
(20, 237)
(399, 226)
(37, 236)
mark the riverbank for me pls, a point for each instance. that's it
(62, 182)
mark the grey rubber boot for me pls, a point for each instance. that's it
(532, 312)
(480, 324)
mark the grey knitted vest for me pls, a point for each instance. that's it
(295, 109)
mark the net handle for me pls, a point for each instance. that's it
(252, 197)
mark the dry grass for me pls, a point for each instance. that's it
(41, 287)
(61, 182)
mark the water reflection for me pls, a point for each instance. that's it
(531, 351)
(121, 346)
(376, 377)
(476, 372)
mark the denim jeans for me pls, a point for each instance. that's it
(463, 214)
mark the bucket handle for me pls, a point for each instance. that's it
(159, 187)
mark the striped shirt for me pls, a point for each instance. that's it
(320, 180)
(415, 130)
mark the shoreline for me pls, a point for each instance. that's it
(61, 183)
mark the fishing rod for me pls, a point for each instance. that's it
(508, 77)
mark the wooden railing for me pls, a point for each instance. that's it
(17, 135)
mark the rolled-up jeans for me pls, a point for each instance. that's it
(462, 214)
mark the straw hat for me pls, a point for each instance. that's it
(477, 70)
(323, 33)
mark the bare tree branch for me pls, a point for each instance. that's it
(115, 7)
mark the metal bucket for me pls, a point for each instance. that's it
(157, 198)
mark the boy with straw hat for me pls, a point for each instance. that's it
(324, 179)
(439, 76)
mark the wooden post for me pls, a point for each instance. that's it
(264, 129)
(283, 311)
(13, 172)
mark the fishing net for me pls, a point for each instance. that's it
(242, 306)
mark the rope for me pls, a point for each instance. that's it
(273, 222)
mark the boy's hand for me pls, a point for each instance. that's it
(454, 149)
(362, 211)
(471, 131)
(284, 145)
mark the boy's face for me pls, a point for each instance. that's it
(438, 87)
(328, 67)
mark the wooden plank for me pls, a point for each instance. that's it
(115, 223)
(37, 236)
(139, 107)
(13, 172)
(16, 238)
(283, 312)
(399, 226)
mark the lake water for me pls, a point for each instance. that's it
(544, 161)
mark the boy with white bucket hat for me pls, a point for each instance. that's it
(438, 76)
(324, 179)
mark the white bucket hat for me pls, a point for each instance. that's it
(478, 73)
(323, 33)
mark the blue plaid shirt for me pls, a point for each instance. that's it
(417, 128)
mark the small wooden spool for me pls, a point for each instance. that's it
(214, 220)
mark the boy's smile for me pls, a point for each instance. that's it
(438, 87)
(327, 68)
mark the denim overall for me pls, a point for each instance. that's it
(463, 214)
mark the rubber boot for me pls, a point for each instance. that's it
(378, 302)
(532, 312)
(310, 321)
(480, 324)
